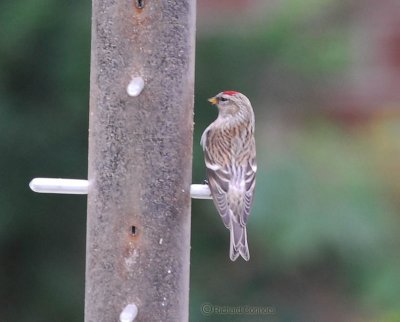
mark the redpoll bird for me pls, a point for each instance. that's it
(230, 156)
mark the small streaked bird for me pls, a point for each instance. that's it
(230, 157)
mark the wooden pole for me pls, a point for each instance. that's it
(140, 159)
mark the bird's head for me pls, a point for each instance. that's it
(232, 104)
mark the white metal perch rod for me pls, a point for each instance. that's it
(80, 187)
(52, 185)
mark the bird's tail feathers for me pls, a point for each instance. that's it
(238, 245)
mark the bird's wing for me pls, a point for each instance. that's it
(218, 176)
(231, 184)
(218, 181)
(231, 200)
(250, 184)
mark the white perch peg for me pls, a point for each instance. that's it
(129, 313)
(135, 86)
(200, 191)
(80, 187)
(51, 185)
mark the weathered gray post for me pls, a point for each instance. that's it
(140, 160)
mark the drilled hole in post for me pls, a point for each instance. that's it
(133, 230)
(139, 4)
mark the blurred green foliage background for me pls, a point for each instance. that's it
(324, 233)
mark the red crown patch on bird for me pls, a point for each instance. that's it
(230, 92)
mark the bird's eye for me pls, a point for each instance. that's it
(223, 99)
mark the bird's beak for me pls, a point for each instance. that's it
(213, 100)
